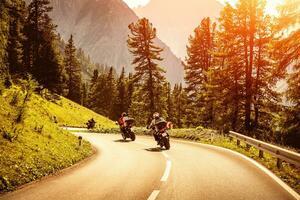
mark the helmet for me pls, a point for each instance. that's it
(124, 114)
(156, 115)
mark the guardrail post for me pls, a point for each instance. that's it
(238, 142)
(279, 163)
(261, 154)
(248, 146)
(80, 140)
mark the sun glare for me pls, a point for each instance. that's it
(271, 7)
(136, 3)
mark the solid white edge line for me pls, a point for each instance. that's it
(153, 195)
(166, 174)
(164, 178)
(258, 165)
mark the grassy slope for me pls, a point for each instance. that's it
(42, 147)
(71, 114)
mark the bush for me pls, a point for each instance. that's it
(200, 128)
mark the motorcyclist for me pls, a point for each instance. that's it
(153, 127)
(122, 121)
(91, 123)
(126, 123)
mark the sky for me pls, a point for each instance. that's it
(270, 8)
(271, 4)
(136, 3)
(175, 20)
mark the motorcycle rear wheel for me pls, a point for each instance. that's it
(132, 136)
(167, 143)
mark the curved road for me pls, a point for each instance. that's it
(138, 170)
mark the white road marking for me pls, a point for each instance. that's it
(164, 178)
(165, 155)
(153, 195)
(166, 174)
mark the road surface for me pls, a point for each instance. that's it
(138, 170)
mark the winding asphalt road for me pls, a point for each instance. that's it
(138, 170)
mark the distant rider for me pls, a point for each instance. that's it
(91, 123)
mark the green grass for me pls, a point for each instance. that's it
(76, 115)
(38, 146)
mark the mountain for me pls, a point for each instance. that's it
(176, 20)
(100, 28)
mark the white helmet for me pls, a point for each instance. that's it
(155, 115)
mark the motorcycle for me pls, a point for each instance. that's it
(126, 131)
(91, 124)
(163, 135)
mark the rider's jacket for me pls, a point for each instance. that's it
(122, 121)
(153, 124)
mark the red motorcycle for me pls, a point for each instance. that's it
(126, 131)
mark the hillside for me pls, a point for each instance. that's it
(38, 146)
(100, 28)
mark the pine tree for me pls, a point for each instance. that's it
(12, 15)
(265, 98)
(4, 32)
(74, 72)
(147, 72)
(180, 99)
(84, 95)
(244, 73)
(287, 49)
(249, 14)
(138, 105)
(130, 90)
(120, 99)
(102, 98)
(92, 90)
(198, 70)
(97, 96)
(230, 71)
(16, 36)
(170, 104)
(42, 56)
(110, 93)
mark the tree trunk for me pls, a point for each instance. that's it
(250, 67)
(151, 92)
(236, 102)
(256, 95)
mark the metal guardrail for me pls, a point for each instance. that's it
(278, 152)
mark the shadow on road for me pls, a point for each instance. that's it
(156, 149)
(122, 141)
